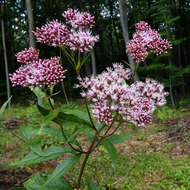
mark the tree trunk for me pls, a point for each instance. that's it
(31, 28)
(93, 59)
(30, 22)
(5, 55)
(124, 25)
(170, 61)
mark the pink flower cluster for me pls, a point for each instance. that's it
(27, 55)
(103, 89)
(75, 34)
(144, 40)
(82, 41)
(41, 73)
(153, 90)
(77, 19)
(111, 95)
(53, 34)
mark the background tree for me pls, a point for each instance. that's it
(111, 46)
(125, 29)
(5, 54)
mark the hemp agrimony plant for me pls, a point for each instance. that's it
(111, 98)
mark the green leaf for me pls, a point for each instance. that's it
(3, 107)
(42, 96)
(61, 169)
(50, 117)
(52, 132)
(37, 180)
(71, 119)
(91, 185)
(81, 114)
(50, 151)
(117, 139)
(26, 132)
(38, 155)
(111, 150)
(85, 59)
(72, 137)
(42, 110)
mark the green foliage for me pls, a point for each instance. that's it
(38, 155)
(43, 97)
(61, 169)
(38, 180)
(184, 103)
(144, 170)
(111, 150)
(165, 113)
(118, 139)
(3, 107)
(68, 119)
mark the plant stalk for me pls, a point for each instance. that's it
(85, 161)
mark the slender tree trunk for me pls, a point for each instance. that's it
(30, 22)
(170, 61)
(31, 28)
(170, 80)
(124, 25)
(5, 55)
(93, 59)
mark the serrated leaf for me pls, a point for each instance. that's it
(81, 114)
(37, 155)
(27, 132)
(70, 119)
(61, 169)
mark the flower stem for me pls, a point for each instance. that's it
(85, 161)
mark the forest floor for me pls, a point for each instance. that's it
(153, 158)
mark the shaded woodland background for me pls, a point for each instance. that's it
(170, 17)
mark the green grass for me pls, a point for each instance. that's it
(140, 166)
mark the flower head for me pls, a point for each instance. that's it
(110, 95)
(75, 34)
(144, 40)
(77, 19)
(41, 73)
(82, 40)
(53, 33)
(27, 55)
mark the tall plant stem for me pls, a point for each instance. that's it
(88, 111)
(85, 161)
(62, 84)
